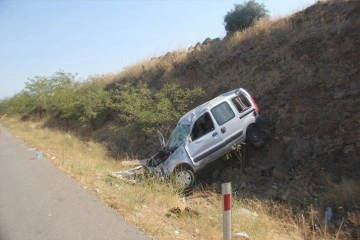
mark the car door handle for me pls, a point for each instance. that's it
(215, 134)
(223, 129)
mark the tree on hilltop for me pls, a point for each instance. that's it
(244, 16)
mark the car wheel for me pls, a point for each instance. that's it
(184, 178)
(255, 136)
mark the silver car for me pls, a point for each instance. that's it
(206, 133)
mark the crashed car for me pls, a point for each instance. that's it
(206, 133)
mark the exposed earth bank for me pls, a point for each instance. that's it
(304, 72)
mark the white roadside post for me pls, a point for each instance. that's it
(226, 200)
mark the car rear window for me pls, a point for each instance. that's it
(241, 103)
(222, 113)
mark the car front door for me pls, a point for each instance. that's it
(205, 141)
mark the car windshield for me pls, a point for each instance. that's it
(178, 135)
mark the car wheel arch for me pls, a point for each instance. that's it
(255, 136)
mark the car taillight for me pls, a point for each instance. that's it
(256, 106)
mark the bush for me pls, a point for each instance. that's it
(20, 104)
(42, 91)
(93, 102)
(65, 104)
(244, 16)
(147, 110)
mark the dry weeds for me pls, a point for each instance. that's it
(156, 207)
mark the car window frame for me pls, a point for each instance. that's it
(215, 115)
(195, 125)
(238, 105)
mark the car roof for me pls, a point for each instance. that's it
(191, 115)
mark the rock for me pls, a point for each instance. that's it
(138, 214)
(216, 40)
(198, 47)
(286, 139)
(267, 172)
(207, 41)
(340, 93)
(241, 235)
(248, 213)
(298, 149)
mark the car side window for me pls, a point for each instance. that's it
(202, 126)
(222, 113)
(241, 103)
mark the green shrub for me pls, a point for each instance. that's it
(93, 101)
(244, 16)
(20, 104)
(148, 110)
(65, 104)
(43, 90)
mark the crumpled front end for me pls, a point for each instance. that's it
(165, 162)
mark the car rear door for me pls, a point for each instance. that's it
(231, 129)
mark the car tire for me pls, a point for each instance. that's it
(184, 177)
(255, 136)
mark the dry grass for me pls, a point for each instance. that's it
(258, 58)
(150, 205)
(346, 191)
(272, 56)
(159, 67)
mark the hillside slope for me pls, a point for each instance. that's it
(304, 71)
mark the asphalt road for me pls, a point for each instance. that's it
(38, 201)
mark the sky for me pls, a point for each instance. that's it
(94, 37)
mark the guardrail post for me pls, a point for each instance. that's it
(226, 200)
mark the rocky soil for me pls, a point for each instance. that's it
(304, 72)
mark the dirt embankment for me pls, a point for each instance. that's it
(304, 72)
